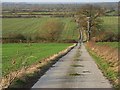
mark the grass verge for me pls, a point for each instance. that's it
(105, 68)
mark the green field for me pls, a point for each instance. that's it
(111, 44)
(17, 55)
(29, 27)
(110, 23)
(24, 54)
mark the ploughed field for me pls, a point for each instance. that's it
(17, 55)
(30, 27)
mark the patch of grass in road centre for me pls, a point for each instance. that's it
(105, 67)
(15, 56)
(75, 74)
(76, 65)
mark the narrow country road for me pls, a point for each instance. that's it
(76, 69)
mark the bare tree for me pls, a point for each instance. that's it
(89, 18)
(52, 30)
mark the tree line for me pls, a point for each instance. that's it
(89, 21)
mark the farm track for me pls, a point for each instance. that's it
(76, 69)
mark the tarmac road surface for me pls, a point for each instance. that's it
(76, 69)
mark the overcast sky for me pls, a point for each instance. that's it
(54, 1)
